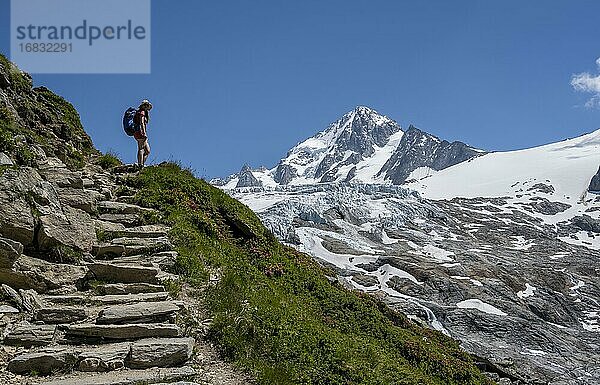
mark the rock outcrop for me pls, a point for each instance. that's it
(246, 179)
(419, 149)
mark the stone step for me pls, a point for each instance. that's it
(144, 231)
(130, 246)
(127, 288)
(164, 260)
(82, 199)
(43, 362)
(59, 315)
(126, 377)
(27, 335)
(114, 273)
(125, 169)
(128, 220)
(160, 352)
(85, 333)
(110, 299)
(125, 198)
(138, 313)
(112, 207)
(141, 354)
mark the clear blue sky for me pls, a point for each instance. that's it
(243, 81)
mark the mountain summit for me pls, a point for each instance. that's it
(362, 146)
(330, 154)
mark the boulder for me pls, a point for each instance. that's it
(81, 199)
(113, 207)
(31, 300)
(125, 219)
(9, 251)
(108, 250)
(84, 299)
(43, 362)
(162, 352)
(72, 227)
(5, 160)
(142, 245)
(12, 295)
(40, 275)
(595, 183)
(137, 313)
(145, 231)
(7, 309)
(16, 219)
(62, 177)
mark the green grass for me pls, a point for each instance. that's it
(275, 312)
(109, 160)
(18, 80)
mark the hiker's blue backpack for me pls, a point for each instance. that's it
(128, 124)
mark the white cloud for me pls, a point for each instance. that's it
(588, 83)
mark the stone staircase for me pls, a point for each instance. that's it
(115, 323)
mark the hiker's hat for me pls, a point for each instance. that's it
(146, 102)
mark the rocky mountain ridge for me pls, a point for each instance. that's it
(362, 146)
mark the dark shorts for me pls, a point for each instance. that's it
(138, 135)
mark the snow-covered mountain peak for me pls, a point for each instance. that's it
(362, 120)
(362, 146)
(330, 154)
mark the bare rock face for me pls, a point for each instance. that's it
(420, 149)
(9, 252)
(18, 189)
(595, 183)
(247, 179)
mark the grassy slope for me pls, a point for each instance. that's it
(276, 313)
(42, 118)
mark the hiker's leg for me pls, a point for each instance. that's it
(146, 151)
(140, 153)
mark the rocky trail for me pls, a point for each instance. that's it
(84, 275)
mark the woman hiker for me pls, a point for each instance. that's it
(141, 119)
